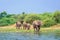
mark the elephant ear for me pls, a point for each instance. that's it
(35, 22)
(41, 22)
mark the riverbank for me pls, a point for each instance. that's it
(21, 30)
(55, 28)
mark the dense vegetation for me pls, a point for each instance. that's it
(47, 18)
(6, 19)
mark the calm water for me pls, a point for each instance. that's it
(29, 36)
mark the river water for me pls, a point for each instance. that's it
(29, 36)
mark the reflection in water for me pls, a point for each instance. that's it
(57, 36)
(37, 33)
(28, 36)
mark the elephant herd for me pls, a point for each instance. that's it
(36, 25)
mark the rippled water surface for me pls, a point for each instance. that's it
(29, 36)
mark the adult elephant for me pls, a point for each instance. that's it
(18, 25)
(26, 25)
(36, 25)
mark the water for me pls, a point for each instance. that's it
(29, 36)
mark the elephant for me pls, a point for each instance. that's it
(36, 25)
(18, 25)
(26, 25)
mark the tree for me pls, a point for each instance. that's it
(57, 16)
(31, 17)
(48, 22)
(21, 16)
(3, 14)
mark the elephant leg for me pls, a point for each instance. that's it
(28, 28)
(38, 28)
(34, 28)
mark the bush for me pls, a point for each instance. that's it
(57, 16)
(7, 21)
(49, 22)
(47, 18)
(31, 17)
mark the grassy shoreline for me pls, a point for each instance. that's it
(12, 28)
(44, 30)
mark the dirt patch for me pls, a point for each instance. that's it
(10, 26)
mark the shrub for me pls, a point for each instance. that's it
(31, 17)
(57, 16)
(7, 21)
(49, 22)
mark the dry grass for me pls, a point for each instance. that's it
(12, 28)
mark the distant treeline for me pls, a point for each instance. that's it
(47, 18)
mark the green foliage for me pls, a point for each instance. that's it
(7, 21)
(47, 18)
(31, 17)
(57, 16)
(21, 16)
(49, 22)
(3, 14)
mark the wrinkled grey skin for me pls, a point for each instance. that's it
(26, 25)
(18, 25)
(36, 25)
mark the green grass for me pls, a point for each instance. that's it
(21, 30)
(14, 30)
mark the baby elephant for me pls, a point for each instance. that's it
(18, 25)
(36, 25)
(26, 25)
